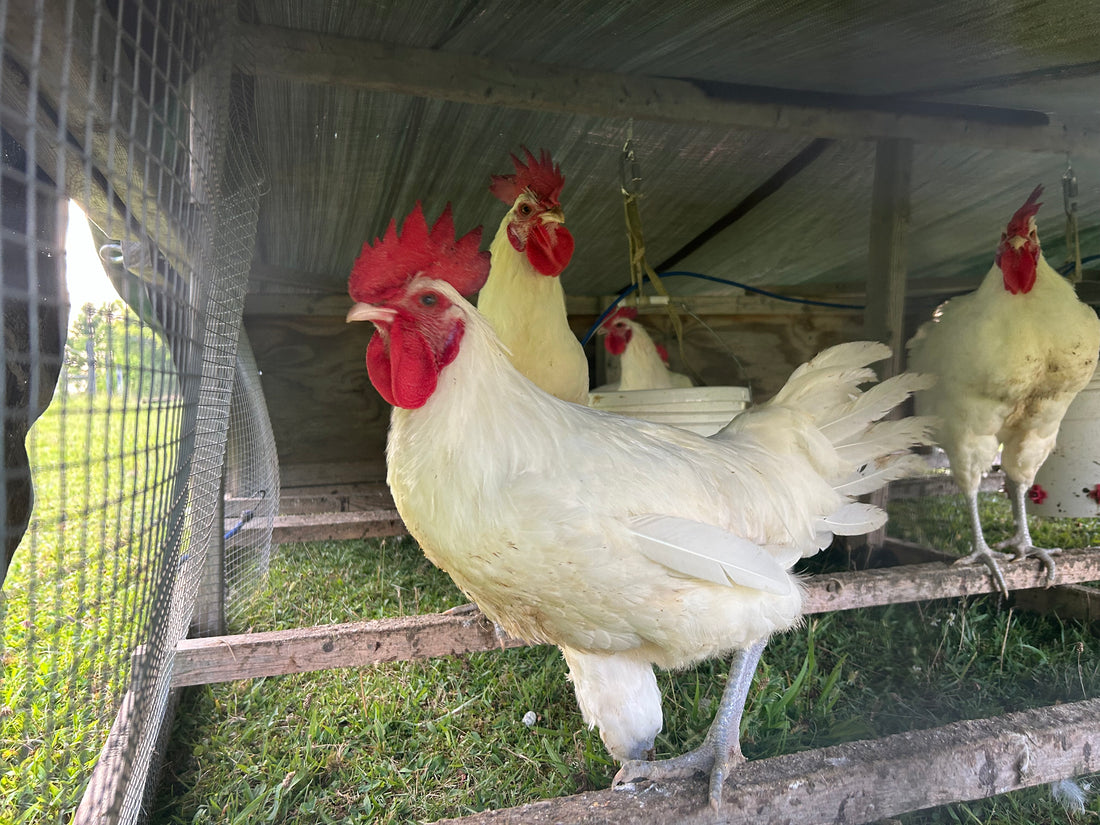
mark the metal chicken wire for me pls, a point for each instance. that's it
(116, 416)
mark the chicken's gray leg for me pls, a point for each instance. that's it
(982, 551)
(721, 749)
(1020, 543)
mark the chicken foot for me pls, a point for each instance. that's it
(721, 749)
(1020, 543)
(982, 551)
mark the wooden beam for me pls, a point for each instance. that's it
(364, 524)
(1072, 601)
(1067, 601)
(355, 644)
(199, 661)
(314, 58)
(854, 783)
(296, 303)
(102, 796)
(884, 310)
(884, 313)
(328, 474)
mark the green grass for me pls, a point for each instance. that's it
(418, 741)
(73, 605)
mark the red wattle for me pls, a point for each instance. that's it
(405, 372)
(549, 248)
(616, 344)
(1018, 268)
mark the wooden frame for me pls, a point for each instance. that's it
(854, 783)
(310, 57)
(355, 644)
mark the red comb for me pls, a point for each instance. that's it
(541, 176)
(387, 266)
(1020, 225)
(629, 313)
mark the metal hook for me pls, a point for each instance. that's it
(1069, 190)
(111, 253)
(630, 170)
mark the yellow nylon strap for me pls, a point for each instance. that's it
(640, 269)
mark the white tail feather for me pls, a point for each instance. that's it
(840, 424)
(883, 438)
(703, 551)
(853, 519)
(873, 477)
(847, 435)
(851, 354)
(822, 388)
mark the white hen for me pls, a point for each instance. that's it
(643, 365)
(626, 543)
(1009, 358)
(523, 298)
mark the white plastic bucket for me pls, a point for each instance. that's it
(703, 410)
(1071, 473)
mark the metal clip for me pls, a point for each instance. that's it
(630, 170)
(1069, 190)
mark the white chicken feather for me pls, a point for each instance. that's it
(1009, 357)
(626, 543)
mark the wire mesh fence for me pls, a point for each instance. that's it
(117, 414)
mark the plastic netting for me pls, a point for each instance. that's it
(116, 415)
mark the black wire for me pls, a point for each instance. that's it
(611, 308)
(1067, 267)
(808, 301)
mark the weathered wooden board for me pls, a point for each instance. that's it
(362, 524)
(335, 498)
(351, 475)
(199, 661)
(1068, 601)
(311, 57)
(323, 409)
(853, 783)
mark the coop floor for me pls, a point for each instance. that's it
(419, 741)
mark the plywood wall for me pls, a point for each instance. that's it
(330, 425)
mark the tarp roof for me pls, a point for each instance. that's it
(344, 150)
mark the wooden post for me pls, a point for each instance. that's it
(208, 617)
(884, 312)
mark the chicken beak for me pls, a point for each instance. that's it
(554, 215)
(371, 312)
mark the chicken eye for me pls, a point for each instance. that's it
(525, 209)
(429, 299)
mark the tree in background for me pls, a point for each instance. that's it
(110, 351)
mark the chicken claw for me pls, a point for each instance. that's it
(721, 749)
(1022, 548)
(989, 559)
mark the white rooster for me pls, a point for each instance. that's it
(643, 364)
(523, 297)
(626, 543)
(1009, 358)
